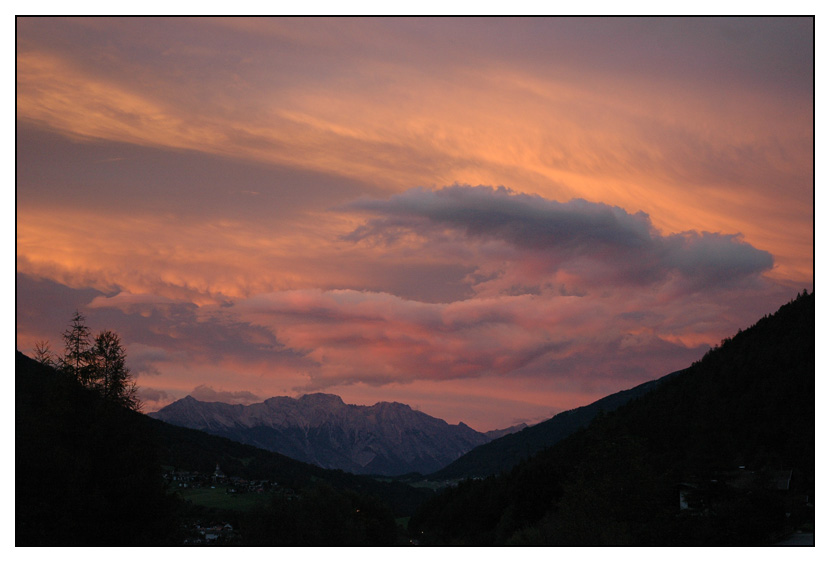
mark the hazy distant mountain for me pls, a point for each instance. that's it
(387, 438)
(496, 433)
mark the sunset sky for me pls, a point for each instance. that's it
(491, 220)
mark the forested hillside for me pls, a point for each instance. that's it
(721, 454)
(508, 451)
(86, 470)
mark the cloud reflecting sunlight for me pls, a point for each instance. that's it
(492, 220)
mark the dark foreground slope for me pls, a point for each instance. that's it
(86, 471)
(721, 454)
(508, 451)
(89, 473)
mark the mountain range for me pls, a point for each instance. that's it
(387, 438)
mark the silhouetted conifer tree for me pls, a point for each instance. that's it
(43, 353)
(112, 378)
(78, 360)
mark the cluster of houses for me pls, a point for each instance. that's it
(217, 532)
(232, 484)
(699, 495)
(213, 534)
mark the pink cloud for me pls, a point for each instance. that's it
(206, 393)
(141, 145)
(380, 339)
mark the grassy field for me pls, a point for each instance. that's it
(218, 498)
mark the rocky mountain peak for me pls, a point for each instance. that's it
(386, 438)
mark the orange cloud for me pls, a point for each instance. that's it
(685, 164)
(173, 257)
(707, 132)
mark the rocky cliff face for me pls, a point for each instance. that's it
(388, 438)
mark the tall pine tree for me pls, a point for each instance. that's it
(78, 358)
(43, 353)
(113, 379)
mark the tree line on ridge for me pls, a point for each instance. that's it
(98, 363)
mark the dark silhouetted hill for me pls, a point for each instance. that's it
(723, 453)
(86, 470)
(506, 452)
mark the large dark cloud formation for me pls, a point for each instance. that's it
(578, 236)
